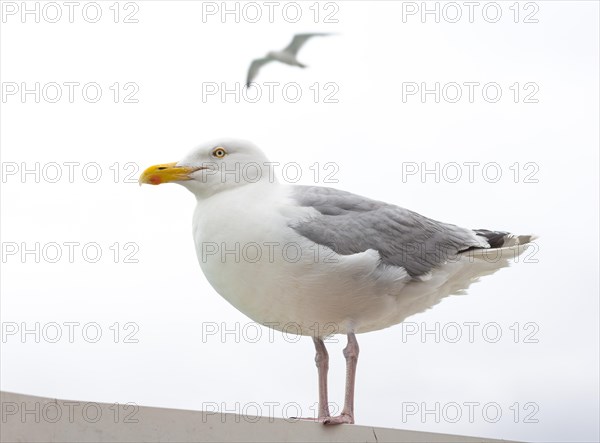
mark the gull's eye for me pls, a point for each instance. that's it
(219, 152)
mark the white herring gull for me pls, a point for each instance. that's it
(325, 260)
(287, 55)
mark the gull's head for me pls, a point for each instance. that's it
(213, 167)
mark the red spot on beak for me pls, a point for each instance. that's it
(155, 180)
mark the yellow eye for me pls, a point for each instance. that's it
(219, 152)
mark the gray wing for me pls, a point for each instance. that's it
(255, 67)
(299, 40)
(349, 224)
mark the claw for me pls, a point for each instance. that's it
(338, 420)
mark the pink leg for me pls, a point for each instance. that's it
(322, 361)
(351, 354)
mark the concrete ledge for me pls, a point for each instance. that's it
(27, 418)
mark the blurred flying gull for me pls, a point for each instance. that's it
(357, 265)
(287, 55)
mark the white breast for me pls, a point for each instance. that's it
(283, 57)
(253, 259)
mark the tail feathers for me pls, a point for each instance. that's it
(500, 239)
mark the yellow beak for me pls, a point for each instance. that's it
(166, 173)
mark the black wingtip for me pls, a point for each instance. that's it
(494, 238)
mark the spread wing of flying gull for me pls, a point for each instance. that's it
(286, 55)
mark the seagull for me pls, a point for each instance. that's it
(287, 55)
(319, 261)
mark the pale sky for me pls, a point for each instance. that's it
(193, 350)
